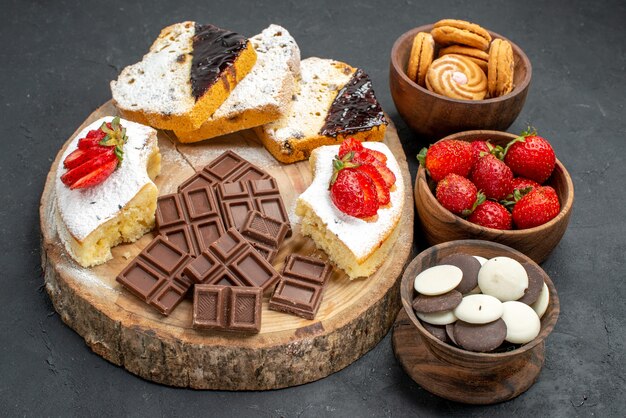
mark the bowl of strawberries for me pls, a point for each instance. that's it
(495, 186)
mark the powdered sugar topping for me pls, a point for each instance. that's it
(278, 62)
(84, 210)
(360, 236)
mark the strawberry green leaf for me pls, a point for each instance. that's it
(421, 157)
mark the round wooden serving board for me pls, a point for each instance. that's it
(353, 317)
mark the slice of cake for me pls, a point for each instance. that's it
(187, 74)
(358, 246)
(334, 101)
(92, 219)
(263, 95)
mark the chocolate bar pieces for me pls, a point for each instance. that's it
(232, 261)
(227, 308)
(190, 220)
(228, 167)
(203, 210)
(238, 198)
(155, 275)
(301, 288)
(264, 233)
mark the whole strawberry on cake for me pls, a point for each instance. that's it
(352, 208)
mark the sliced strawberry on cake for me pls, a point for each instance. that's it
(352, 207)
(104, 189)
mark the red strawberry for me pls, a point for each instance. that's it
(97, 156)
(530, 156)
(96, 176)
(381, 187)
(378, 155)
(365, 157)
(92, 139)
(79, 156)
(480, 149)
(458, 194)
(491, 214)
(354, 193)
(75, 174)
(349, 144)
(536, 208)
(520, 183)
(493, 177)
(445, 157)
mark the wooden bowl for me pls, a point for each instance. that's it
(433, 115)
(441, 225)
(461, 375)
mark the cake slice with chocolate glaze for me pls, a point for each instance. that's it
(334, 101)
(186, 75)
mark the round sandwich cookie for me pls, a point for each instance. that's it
(500, 68)
(469, 266)
(437, 318)
(535, 284)
(422, 54)
(503, 278)
(453, 31)
(479, 309)
(439, 303)
(480, 338)
(480, 57)
(456, 77)
(450, 333)
(438, 280)
(541, 305)
(522, 322)
(437, 331)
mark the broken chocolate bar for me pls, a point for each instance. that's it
(228, 167)
(190, 220)
(301, 288)
(232, 261)
(155, 275)
(264, 233)
(227, 308)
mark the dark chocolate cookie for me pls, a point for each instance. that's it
(480, 338)
(535, 284)
(470, 267)
(439, 303)
(438, 331)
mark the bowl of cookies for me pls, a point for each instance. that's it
(455, 75)
(495, 186)
(478, 315)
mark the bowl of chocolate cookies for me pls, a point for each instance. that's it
(476, 315)
(454, 75)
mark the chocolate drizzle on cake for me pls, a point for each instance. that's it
(214, 51)
(354, 109)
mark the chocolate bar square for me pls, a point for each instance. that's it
(155, 275)
(228, 167)
(227, 308)
(297, 298)
(264, 233)
(191, 219)
(301, 288)
(232, 261)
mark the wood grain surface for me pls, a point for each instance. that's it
(353, 317)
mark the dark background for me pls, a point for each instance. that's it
(57, 60)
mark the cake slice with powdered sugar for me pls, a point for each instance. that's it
(263, 95)
(333, 101)
(186, 75)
